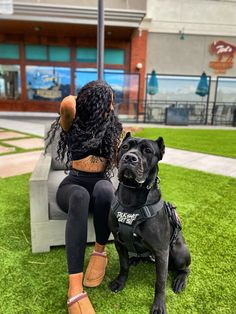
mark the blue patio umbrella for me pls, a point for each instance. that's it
(152, 88)
(202, 88)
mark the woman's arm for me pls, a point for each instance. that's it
(67, 112)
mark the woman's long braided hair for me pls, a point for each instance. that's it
(95, 127)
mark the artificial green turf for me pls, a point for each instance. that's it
(37, 283)
(215, 142)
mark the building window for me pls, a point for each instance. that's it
(225, 102)
(47, 53)
(10, 86)
(125, 85)
(86, 55)
(114, 56)
(111, 56)
(9, 51)
(113, 77)
(61, 54)
(36, 52)
(47, 82)
(83, 76)
(175, 88)
(226, 89)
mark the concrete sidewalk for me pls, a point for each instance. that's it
(203, 162)
(15, 164)
(23, 126)
(37, 127)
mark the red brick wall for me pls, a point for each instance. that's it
(138, 54)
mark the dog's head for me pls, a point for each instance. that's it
(138, 159)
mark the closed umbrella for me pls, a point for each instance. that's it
(202, 88)
(152, 88)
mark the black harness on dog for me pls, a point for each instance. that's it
(128, 222)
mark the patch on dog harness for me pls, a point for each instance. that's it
(126, 218)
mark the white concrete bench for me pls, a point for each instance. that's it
(47, 220)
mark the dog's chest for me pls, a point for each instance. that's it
(128, 223)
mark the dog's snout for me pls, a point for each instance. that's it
(131, 158)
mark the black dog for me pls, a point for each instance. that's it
(142, 223)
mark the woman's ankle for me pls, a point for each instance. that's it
(74, 291)
(99, 248)
(75, 284)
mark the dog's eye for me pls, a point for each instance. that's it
(125, 146)
(147, 150)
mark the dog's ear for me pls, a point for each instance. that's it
(161, 145)
(127, 135)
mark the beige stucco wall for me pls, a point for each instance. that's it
(168, 54)
(209, 17)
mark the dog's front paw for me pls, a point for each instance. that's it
(180, 282)
(117, 284)
(158, 307)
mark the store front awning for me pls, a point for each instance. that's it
(123, 17)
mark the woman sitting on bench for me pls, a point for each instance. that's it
(91, 136)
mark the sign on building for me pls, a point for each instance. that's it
(6, 6)
(224, 53)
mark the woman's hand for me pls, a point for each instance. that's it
(67, 112)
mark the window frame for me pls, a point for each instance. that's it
(73, 64)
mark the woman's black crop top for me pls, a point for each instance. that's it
(78, 153)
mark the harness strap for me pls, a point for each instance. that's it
(127, 237)
(151, 210)
(128, 222)
(170, 211)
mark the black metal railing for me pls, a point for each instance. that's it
(156, 111)
(223, 114)
(181, 112)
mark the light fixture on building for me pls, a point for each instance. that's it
(37, 28)
(181, 34)
(139, 66)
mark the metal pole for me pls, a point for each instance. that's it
(145, 104)
(100, 40)
(214, 103)
(207, 104)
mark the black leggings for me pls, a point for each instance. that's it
(78, 194)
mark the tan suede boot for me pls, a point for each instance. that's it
(80, 304)
(95, 271)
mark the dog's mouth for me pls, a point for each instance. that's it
(130, 178)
